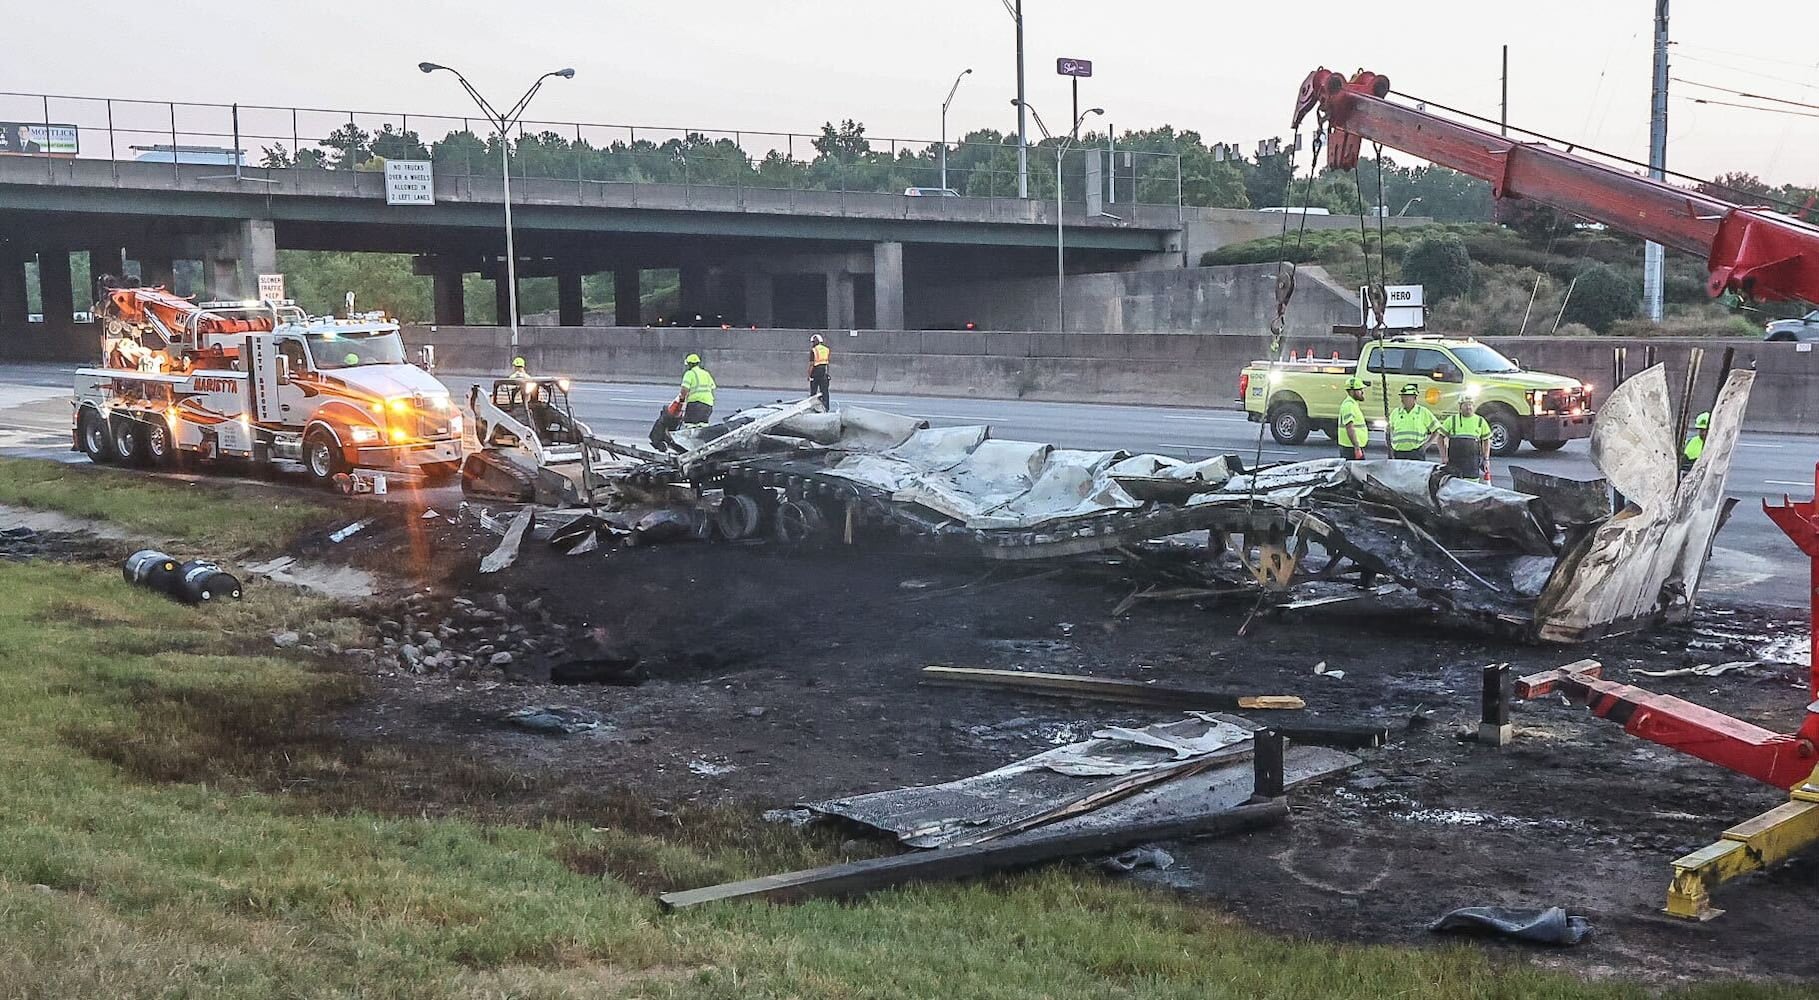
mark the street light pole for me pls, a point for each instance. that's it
(1061, 148)
(504, 122)
(944, 104)
(1015, 9)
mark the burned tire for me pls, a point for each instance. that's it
(739, 517)
(1548, 445)
(127, 440)
(93, 434)
(1506, 433)
(1289, 423)
(322, 457)
(798, 521)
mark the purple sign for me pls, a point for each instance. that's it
(1074, 67)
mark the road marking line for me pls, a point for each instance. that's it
(1747, 444)
(1784, 482)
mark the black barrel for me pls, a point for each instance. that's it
(150, 568)
(199, 581)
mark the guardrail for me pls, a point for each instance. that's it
(243, 136)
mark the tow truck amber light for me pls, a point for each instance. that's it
(400, 435)
(399, 404)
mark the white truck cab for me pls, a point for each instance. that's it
(263, 383)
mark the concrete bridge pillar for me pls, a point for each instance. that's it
(57, 296)
(101, 261)
(450, 298)
(760, 298)
(155, 270)
(502, 302)
(12, 299)
(233, 261)
(887, 286)
(628, 299)
(839, 300)
(571, 308)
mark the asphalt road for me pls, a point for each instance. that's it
(1752, 561)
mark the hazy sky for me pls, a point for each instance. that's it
(1229, 70)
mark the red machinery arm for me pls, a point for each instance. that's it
(1751, 251)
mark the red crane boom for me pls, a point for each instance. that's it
(1754, 252)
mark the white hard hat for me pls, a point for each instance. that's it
(816, 339)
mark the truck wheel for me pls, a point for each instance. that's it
(1506, 433)
(129, 448)
(1288, 423)
(1548, 445)
(322, 456)
(157, 444)
(97, 442)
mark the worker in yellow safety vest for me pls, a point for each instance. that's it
(1695, 445)
(697, 393)
(1412, 426)
(1465, 440)
(819, 354)
(1353, 433)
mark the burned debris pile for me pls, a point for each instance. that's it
(1552, 559)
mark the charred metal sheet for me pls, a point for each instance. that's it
(1644, 564)
(1573, 502)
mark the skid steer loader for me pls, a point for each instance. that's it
(532, 449)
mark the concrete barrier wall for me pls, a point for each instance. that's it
(1096, 368)
(1228, 299)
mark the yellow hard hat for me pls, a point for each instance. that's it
(1411, 389)
(693, 359)
(1702, 421)
(1355, 383)
(517, 362)
(350, 358)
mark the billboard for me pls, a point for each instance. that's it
(38, 138)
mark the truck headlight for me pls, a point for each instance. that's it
(363, 435)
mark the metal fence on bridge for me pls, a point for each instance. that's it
(252, 139)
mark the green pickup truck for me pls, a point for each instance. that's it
(1299, 396)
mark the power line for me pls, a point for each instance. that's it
(1751, 107)
(1752, 56)
(1808, 84)
(1745, 93)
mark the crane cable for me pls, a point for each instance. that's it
(1285, 281)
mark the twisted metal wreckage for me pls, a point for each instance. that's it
(1552, 560)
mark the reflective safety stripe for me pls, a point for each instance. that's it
(1353, 431)
(1458, 425)
(819, 354)
(698, 385)
(1409, 428)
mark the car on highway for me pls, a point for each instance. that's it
(936, 192)
(1802, 329)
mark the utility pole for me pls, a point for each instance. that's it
(1503, 122)
(1652, 254)
(1023, 139)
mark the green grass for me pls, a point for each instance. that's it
(227, 517)
(199, 832)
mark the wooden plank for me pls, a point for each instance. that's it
(1106, 689)
(857, 877)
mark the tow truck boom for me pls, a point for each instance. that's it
(1757, 253)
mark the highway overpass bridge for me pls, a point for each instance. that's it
(765, 256)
